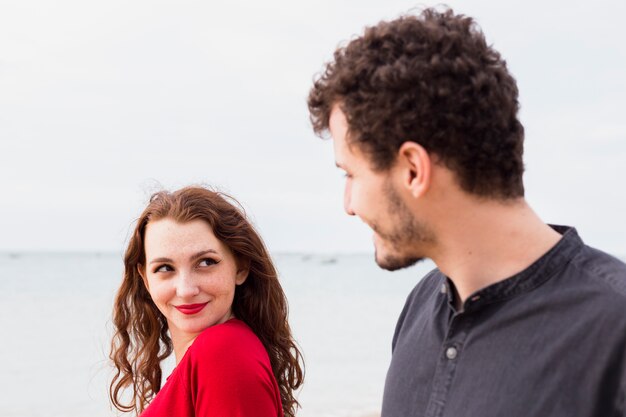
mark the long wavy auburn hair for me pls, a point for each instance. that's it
(141, 340)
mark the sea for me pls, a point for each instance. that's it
(55, 324)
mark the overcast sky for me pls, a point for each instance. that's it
(102, 103)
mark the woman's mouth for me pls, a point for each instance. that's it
(191, 308)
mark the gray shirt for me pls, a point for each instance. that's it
(549, 341)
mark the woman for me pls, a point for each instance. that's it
(199, 282)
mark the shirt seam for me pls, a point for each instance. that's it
(596, 277)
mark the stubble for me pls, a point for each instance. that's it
(406, 233)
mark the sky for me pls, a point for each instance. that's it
(103, 103)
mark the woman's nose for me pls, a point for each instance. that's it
(187, 286)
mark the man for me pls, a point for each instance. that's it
(520, 318)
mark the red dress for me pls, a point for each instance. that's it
(226, 372)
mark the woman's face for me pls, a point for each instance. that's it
(190, 275)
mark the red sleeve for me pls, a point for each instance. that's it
(230, 374)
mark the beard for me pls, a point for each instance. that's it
(405, 233)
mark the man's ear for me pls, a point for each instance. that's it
(416, 166)
(242, 272)
(142, 273)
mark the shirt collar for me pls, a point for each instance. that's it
(527, 280)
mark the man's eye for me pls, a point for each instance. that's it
(164, 268)
(207, 262)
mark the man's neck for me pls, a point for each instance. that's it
(487, 242)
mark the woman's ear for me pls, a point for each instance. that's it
(242, 272)
(142, 274)
(416, 165)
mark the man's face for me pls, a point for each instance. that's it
(371, 196)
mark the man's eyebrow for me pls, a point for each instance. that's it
(192, 257)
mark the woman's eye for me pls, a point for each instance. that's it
(163, 268)
(207, 262)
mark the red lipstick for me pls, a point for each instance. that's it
(191, 308)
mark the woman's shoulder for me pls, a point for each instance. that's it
(228, 373)
(227, 360)
(225, 335)
(232, 340)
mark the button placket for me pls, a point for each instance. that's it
(446, 366)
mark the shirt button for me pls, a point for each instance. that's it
(451, 353)
(444, 289)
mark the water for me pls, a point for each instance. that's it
(55, 312)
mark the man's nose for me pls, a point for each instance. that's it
(347, 200)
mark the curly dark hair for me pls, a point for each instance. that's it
(431, 79)
(141, 340)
